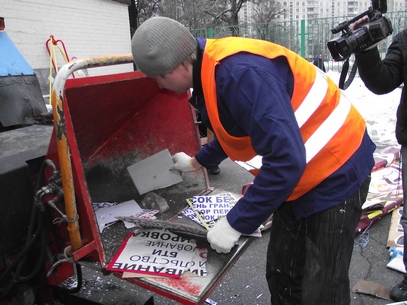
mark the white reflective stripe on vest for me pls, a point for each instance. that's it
(313, 99)
(328, 128)
(331, 125)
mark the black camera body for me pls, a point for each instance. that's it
(377, 28)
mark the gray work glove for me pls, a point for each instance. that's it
(222, 237)
(184, 163)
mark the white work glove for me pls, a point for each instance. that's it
(222, 237)
(183, 162)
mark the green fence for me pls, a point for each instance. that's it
(305, 37)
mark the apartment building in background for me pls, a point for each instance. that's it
(303, 10)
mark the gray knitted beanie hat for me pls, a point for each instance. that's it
(161, 44)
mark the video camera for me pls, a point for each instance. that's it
(369, 33)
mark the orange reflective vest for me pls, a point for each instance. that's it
(331, 128)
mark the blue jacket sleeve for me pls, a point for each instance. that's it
(379, 76)
(254, 98)
(211, 154)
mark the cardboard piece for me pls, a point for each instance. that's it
(372, 288)
(154, 172)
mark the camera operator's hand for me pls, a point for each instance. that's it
(358, 22)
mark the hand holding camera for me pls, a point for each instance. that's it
(369, 28)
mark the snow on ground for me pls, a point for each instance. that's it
(379, 111)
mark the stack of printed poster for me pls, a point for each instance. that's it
(158, 252)
(385, 190)
(207, 210)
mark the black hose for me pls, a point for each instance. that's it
(36, 230)
(40, 261)
(29, 244)
(19, 261)
(6, 283)
(79, 280)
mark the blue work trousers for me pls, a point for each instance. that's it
(308, 260)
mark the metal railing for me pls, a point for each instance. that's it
(305, 37)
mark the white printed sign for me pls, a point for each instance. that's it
(198, 264)
(157, 252)
(211, 208)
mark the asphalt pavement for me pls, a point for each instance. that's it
(245, 284)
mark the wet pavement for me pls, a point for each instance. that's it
(245, 284)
